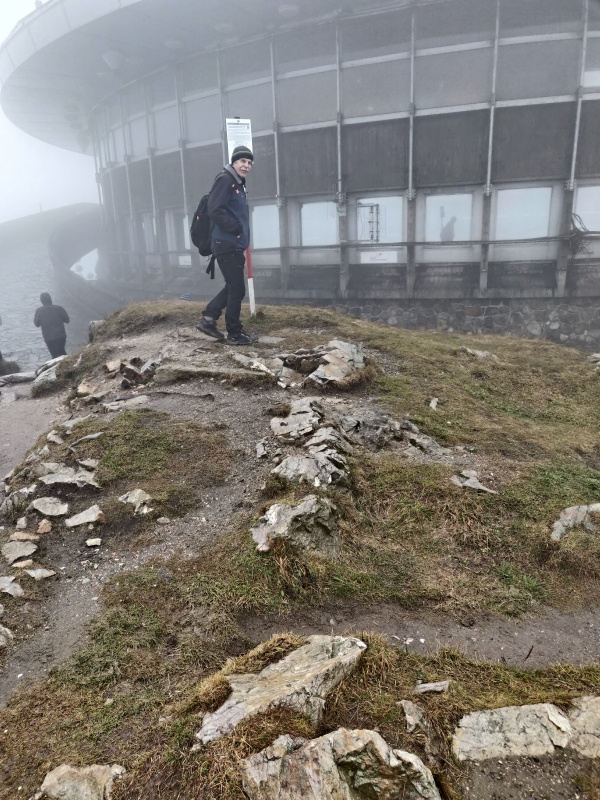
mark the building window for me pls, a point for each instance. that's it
(177, 230)
(376, 35)
(453, 79)
(376, 88)
(591, 78)
(305, 49)
(448, 217)
(162, 88)
(166, 127)
(319, 224)
(523, 213)
(244, 63)
(380, 219)
(587, 206)
(203, 119)
(538, 69)
(254, 103)
(295, 107)
(265, 227)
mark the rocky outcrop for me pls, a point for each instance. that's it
(304, 418)
(307, 526)
(79, 783)
(343, 765)
(534, 730)
(302, 680)
(332, 363)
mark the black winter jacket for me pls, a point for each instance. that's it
(228, 212)
(51, 319)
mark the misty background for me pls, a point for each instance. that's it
(34, 174)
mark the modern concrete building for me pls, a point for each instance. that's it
(406, 152)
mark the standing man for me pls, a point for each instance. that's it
(230, 236)
(51, 319)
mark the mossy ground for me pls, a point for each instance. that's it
(410, 537)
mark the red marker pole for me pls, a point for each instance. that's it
(250, 283)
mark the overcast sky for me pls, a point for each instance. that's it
(34, 174)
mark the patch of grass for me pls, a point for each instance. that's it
(148, 315)
(171, 459)
(74, 368)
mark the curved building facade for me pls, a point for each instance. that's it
(408, 149)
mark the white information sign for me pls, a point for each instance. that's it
(378, 257)
(239, 132)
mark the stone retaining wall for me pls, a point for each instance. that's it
(573, 321)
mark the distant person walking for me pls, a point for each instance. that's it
(230, 236)
(51, 319)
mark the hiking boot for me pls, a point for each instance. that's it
(209, 327)
(242, 338)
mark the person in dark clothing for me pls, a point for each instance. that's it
(230, 236)
(51, 319)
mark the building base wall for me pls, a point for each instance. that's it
(574, 322)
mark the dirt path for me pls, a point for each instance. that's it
(55, 623)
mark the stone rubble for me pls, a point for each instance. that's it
(302, 680)
(307, 526)
(343, 765)
(332, 363)
(468, 479)
(481, 354)
(139, 499)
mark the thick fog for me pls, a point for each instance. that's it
(35, 175)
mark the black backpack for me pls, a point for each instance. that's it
(200, 228)
(200, 232)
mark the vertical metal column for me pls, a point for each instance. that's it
(488, 189)
(342, 208)
(411, 194)
(150, 152)
(562, 262)
(284, 243)
(182, 145)
(222, 106)
(126, 156)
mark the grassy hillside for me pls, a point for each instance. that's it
(132, 695)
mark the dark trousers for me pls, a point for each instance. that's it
(231, 295)
(57, 346)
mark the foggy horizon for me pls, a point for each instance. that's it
(34, 175)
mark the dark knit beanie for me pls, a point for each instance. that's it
(242, 152)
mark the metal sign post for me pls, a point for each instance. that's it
(239, 132)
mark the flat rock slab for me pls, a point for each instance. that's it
(50, 506)
(304, 418)
(533, 730)
(70, 476)
(89, 516)
(79, 783)
(9, 585)
(302, 680)
(343, 765)
(13, 551)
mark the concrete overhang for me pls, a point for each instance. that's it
(63, 58)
